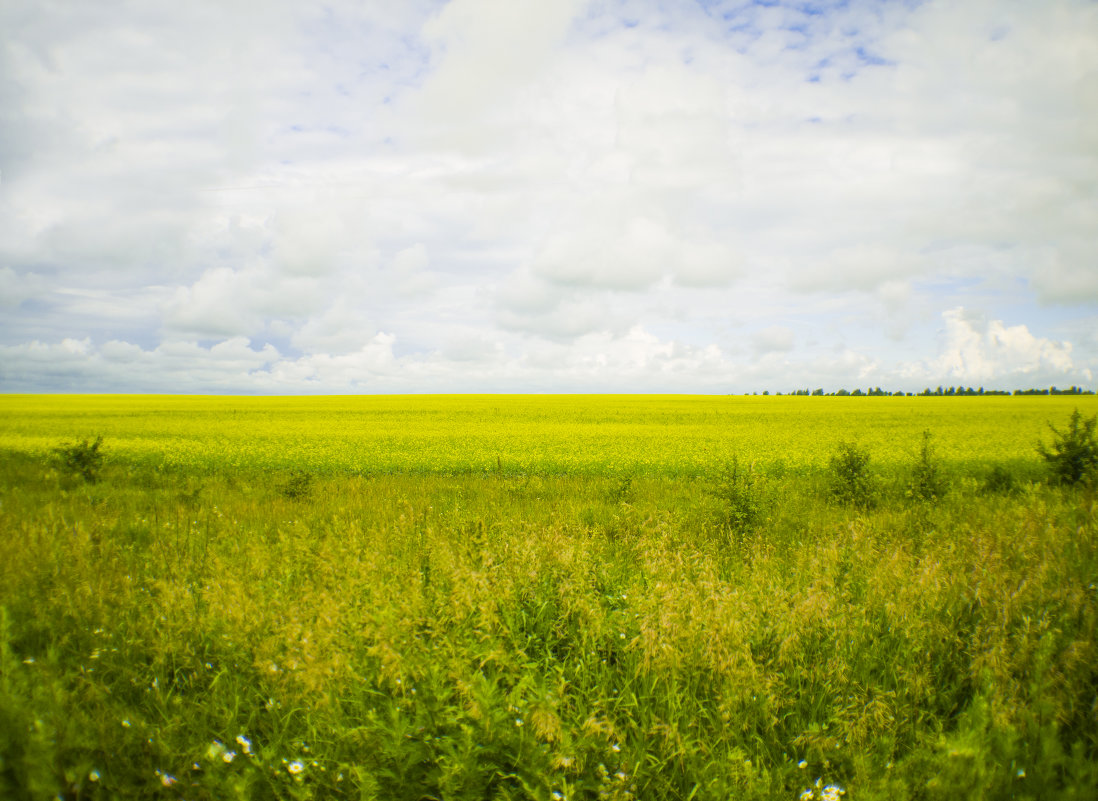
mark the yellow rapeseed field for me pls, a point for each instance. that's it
(600, 434)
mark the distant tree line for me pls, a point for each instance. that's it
(942, 392)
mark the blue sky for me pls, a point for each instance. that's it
(505, 195)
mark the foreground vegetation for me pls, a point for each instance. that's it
(855, 601)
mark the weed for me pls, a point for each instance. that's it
(1074, 453)
(1000, 480)
(623, 491)
(738, 489)
(298, 486)
(851, 483)
(927, 482)
(82, 459)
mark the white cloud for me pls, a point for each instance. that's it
(525, 194)
(16, 288)
(340, 329)
(977, 350)
(616, 241)
(775, 338)
(79, 366)
(227, 302)
(488, 49)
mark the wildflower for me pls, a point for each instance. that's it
(832, 793)
(802, 764)
(125, 723)
(295, 767)
(29, 660)
(245, 744)
(93, 776)
(166, 779)
(518, 722)
(615, 748)
(1021, 774)
(215, 750)
(557, 795)
(228, 756)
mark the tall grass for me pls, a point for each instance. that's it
(213, 634)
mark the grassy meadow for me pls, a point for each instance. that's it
(545, 597)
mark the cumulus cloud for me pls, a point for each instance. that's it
(227, 302)
(524, 194)
(80, 366)
(978, 350)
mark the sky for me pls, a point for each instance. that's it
(695, 196)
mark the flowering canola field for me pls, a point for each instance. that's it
(581, 434)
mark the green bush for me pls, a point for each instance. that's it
(738, 490)
(1000, 480)
(299, 486)
(82, 459)
(927, 482)
(851, 483)
(1073, 456)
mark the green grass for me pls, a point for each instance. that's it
(409, 633)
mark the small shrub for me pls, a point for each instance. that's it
(851, 483)
(82, 459)
(1073, 456)
(927, 482)
(299, 486)
(737, 488)
(1001, 481)
(623, 491)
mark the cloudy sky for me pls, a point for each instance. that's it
(547, 195)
